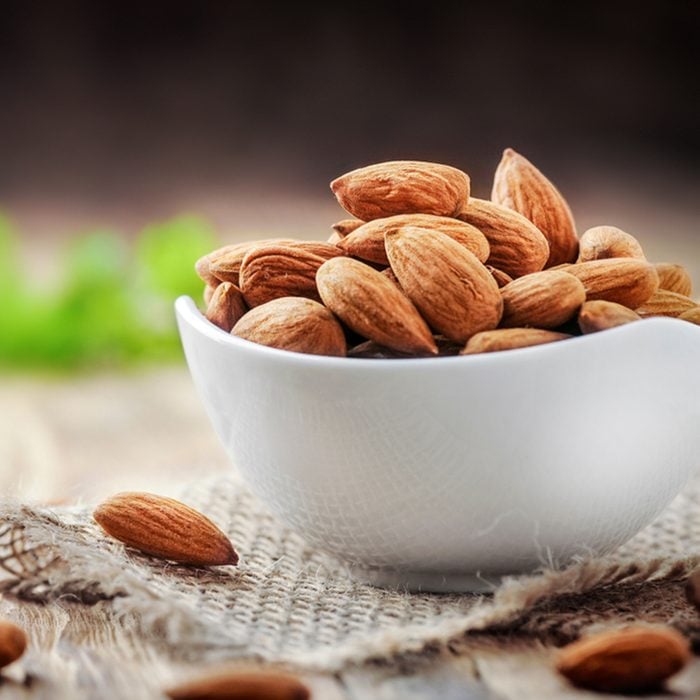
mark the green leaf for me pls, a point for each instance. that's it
(167, 252)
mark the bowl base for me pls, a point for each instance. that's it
(426, 581)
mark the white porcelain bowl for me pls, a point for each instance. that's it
(448, 473)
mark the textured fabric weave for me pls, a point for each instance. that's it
(287, 602)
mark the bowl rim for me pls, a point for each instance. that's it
(187, 310)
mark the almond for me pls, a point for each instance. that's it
(225, 263)
(510, 339)
(165, 528)
(203, 269)
(519, 185)
(346, 226)
(692, 589)
(373, 351)
(602, 242)
(389, 274)
(274, 271)
(293, 323)
(373, 306)
(674, 278)
(453, 291)
(600, 315)
(208, 292)
(226, 306)
(627, 281)
(334, 238)
(367, 241)
(692, 315)
(241, 685)
(542, 299)
(636, 659)
(502, 278)
(665, 303)
(518, 247)
(402, 187)
(13, 642)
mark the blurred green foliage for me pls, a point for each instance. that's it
(113, 304)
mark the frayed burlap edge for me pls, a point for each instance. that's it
(63, 567)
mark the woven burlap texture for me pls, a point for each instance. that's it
(289, 603)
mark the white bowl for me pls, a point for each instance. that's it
(448, 473)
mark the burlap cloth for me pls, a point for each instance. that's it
(287, 602)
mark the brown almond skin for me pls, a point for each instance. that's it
(665, 303)
(208, 292)
(603, 242)
(203, 269)
(542, 299)
(296, 324)
(692, 315)
(626, 281)
(632, 660)
(165, 528)
(346, 226)
(452, 289)
(517, 246)
(601, 315)
(502, 278)
(273, 271)
(226, 306)
(13, 642)
(510, 339)
(224, 264)
(373, 351)
(367, 241)
(519, 185)
(370, 304)
(241, 685)
(674, 278)
(692, 589)
(402, 187)
(389, 274)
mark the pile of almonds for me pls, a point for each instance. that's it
(424, 269)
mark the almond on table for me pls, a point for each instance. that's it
(241, 685)
(165, 528)
(13, 642)
(630, 660)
